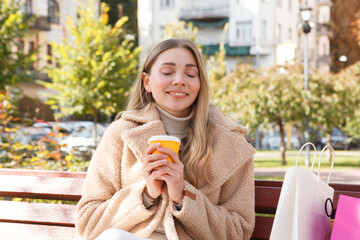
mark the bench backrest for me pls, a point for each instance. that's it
(56, 221)
(35, 218)
(267, 195)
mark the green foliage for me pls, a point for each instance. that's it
(181, 30)
(14, 64)
(216, 63)
(129, 9)
(263, 96)
(96, 66)
(348, 82)
(16, 153)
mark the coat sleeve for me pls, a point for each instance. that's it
(105, 203)
(232, 218)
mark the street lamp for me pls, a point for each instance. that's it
(343, 59)
(305, 16)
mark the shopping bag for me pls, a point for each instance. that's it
(300, 213)
(347, 219)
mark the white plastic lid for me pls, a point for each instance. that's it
(164, 138)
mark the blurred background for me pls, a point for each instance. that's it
(289, 70)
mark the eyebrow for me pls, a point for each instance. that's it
(173, 64)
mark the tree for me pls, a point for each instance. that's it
(216, 63)
(120, 8)
(96, 67)
(266, 96)
(181, 29)
(344, 40)
(348, 82)
(15, 65)
(334, 99)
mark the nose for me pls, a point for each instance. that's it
(178, 80)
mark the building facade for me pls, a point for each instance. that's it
(261, 32)
(49, 26)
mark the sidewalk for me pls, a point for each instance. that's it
(347, 176)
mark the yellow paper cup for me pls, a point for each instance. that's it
(166, 141)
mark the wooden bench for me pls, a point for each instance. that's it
(34, 220)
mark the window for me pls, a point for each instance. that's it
(167, 3)
(244, 31)
(289, 34)
(21, 45)
(53, 12)
(264, 29)
(31, 49)
(279, 33)
(26, 7)
(290, 5)
(49, 54)
(279, 3)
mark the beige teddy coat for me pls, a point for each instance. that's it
(112, 191)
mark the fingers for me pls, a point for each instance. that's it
(152, 148)
(151, 166)
(170, 153)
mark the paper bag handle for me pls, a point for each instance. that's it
(308, 143)
(332, 162)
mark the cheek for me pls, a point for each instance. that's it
(158, 82)
(195, 86)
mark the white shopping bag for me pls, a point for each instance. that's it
(300, 213)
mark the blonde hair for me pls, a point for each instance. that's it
(196, 147)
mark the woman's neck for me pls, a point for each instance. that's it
(174, 126)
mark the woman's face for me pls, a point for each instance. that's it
(174, 81)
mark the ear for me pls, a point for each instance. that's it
(146, 80)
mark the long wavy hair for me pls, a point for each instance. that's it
(196, 146)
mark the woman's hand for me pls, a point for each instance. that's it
(153, 168)
(174, 175)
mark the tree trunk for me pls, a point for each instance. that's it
(282, 145)
(94, 130)
(328, 143)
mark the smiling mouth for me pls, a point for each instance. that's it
(178, 93)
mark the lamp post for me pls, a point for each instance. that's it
(306, 27)
(343, 59)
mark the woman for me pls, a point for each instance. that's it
(208, 190)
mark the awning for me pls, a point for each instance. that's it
(230, 51)
(210, 23)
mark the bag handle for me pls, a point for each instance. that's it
(308, 143)
(332, 162)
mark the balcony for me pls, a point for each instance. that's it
(323, 60)
(324, 29)
(204, 12)
(324, 3)
(40, 23)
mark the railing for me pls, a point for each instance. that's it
(324, 29)
(40, 23)
(323, 60)
(198, 11)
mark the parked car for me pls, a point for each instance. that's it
(273, 142)
(339, 140)
(81, 138)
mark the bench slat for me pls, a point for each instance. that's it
(266, 199)
(39, 232)
(39, 213)
(41, 173)
(41, 187)
(263, 227)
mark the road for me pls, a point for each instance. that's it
(348, 176)
(343, 175)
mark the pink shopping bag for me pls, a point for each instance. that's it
(347, 219)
